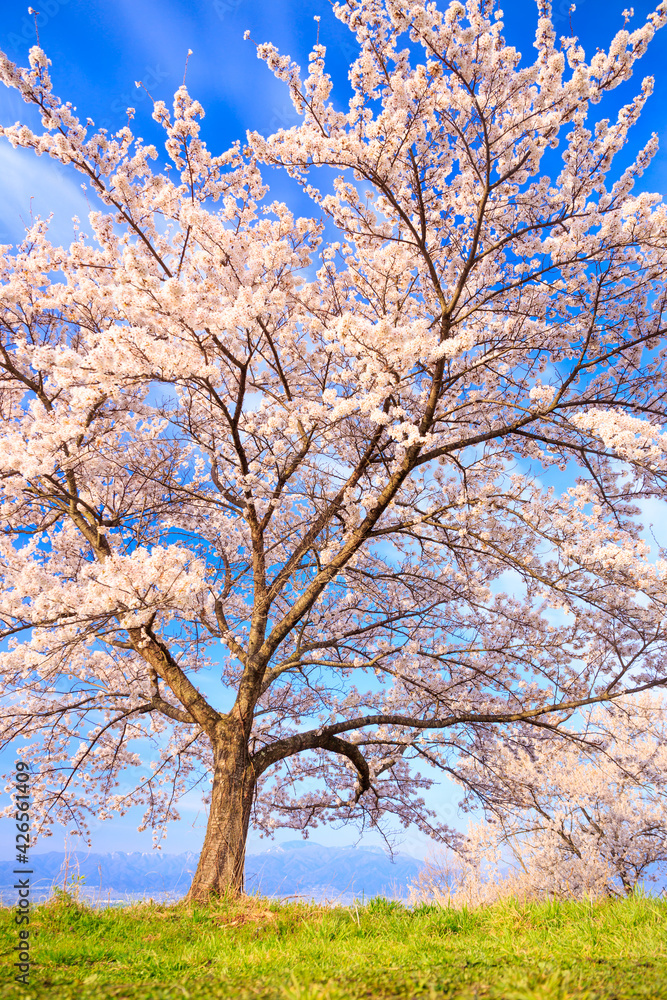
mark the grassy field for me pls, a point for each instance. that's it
(258, 950)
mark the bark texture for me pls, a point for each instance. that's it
(222, 859)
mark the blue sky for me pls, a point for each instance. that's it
(99, 49)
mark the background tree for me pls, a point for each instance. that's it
(580, 816)
(324, 454)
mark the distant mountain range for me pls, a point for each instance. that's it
(343, 873)
(296, 868)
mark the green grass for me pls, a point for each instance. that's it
(255, 949)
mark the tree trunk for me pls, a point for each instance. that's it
(222, 859)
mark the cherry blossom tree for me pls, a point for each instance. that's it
(575, 814)
(300, 503)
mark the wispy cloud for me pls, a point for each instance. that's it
(34, 187)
